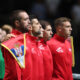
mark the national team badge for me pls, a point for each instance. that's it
(18, 51)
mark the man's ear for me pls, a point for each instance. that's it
(59, 29)
(17, 24)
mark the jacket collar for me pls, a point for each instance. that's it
(62, 39)
(16, 32)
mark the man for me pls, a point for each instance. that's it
(21, 23)
(44, 49)
(44, 55)
(61, 50)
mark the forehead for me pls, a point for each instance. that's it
(67, 23)
(35, 21)
(23, 15)
(48, 27)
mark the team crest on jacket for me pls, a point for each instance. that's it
(18, 51)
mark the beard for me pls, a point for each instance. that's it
(27, 28)
(36, 33)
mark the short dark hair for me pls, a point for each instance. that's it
(15, 16)
(59, 21)
(44, 23)
(32, 17)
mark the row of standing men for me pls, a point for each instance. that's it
(31, 54)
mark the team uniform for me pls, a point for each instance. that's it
(46, 55)
(62, 58)
(24, 61)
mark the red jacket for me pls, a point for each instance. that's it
(30, 72)
(62, 58)
(47, 61)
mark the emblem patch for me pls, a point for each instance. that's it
(18, 51)
(59, 50)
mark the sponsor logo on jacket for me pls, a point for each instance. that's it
(59, 50)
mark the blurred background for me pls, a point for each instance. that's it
(48, 10)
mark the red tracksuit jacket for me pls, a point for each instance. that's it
(34, 62)
(47, 59)
(62, 58)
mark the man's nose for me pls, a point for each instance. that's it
(71, 28)
(51, 32)
(29, 21)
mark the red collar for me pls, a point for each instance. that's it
(62, 39)
(42, 41)
(32, 38)
(16, 32)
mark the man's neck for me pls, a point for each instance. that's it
(65, 37)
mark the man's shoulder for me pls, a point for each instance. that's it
(12, 41)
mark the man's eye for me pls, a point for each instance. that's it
(26, 19)
(48, 30)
